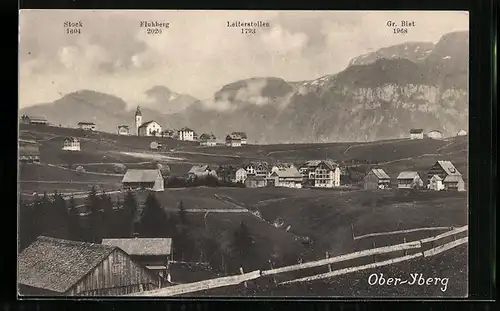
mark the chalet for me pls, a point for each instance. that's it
(435, 134)
(327, 175)
(226, 173)
(308, 168)
(186, 134)
(462, 133)
(436, 183)
(241, 175)
(155, 146)
(201, 171)
(290, 178)
(416, 134)
(259, 169)
(451, 178)
(242, 135)
(377, 178)
(255, 182)
(71, 144)
(88, 126)
(123, 130)
(208, 140)
(29, 151)
(57, 267)
(150, 128)
(153, 253)
(145, 179)
(409, 180)
(34, 120)
(169, 133)
(233, 140)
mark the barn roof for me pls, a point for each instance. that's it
(408, 175)
(142, 246)
(198, 169)
(57, 265)
(380, 173)
(288, 172)
(449, 168)
(135, 175)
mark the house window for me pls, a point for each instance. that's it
(116, 269)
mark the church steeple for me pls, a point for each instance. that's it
(138, 120)
(138, 111)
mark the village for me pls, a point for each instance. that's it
(147, 261)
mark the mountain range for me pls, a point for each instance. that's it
(380, 95)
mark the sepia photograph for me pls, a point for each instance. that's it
(171, 153)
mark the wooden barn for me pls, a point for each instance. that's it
(148, 179)
(377, 178)
(409, 180)
(451, 178)
(153, 253)
(57, 267)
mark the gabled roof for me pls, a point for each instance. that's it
(436, 177)
(57, 265)
(416, 131)
(380, 173)
(143, 125)
(186, 129)
(135, 175)
(207, 136)
(408, 175)
(242, 135)
(329, 164)
(287, 172)
(123, 126)
(233, 137)
(86, 123)
(198, 169)
(311, 163)
(435, 131)
(449, 168)
(142, 246)
(453, 178)
(72, 139)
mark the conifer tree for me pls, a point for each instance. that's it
(75, 228)
(153, 220)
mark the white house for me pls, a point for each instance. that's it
(462, 133)
(123, 130)
(242, 136)
(149, 179)
(436, 183)
(416, 134)
(89, 126)
(327, 175)
(241, 175)
(409, 180)
(451, 178)
(289, 178)
(150, 128)
(186, 134)
(233, 140)
(208, 140)
(435, 134)
(71, 144)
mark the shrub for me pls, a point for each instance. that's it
(119, 168)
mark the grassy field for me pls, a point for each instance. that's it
(451, 264)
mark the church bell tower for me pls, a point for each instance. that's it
(138, 120)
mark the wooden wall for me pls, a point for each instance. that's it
(115, 275)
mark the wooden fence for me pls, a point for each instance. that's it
(238, 279)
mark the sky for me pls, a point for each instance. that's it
(198, 53)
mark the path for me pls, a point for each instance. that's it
(373, 144)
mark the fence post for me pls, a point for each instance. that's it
(327, 255)
(244, 283)
(405, 252)
(352, 231)
(274, 274)
(374, 257)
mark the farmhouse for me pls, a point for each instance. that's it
(148, 179)
(416, 134)
(153, 253)
(462, 133)
(168, 133)
(208, 140)
(259, 169)
(150, 128)
(377, 178)
(451, 178)
(436, 183)
(201, 171)
(88, 126)
(327, 175)
(186, 134)
(435, 134)
(226, 173)
(241, 175)
(242, 135)
(255, 182)
(123, 130)
(57, 267)
(29, 151)
(71, 144)
(33, 120)
(290, 178)
(307, 169)
(233, 140)
(409, 180)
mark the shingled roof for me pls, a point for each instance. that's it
(380, 173)
(57, 265)
(408, 175)
(142, 246)
(449, 168)
(134, 175)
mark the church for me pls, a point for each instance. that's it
(150, 128)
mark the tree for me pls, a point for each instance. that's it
(242, 244)
(106, 215)
(129, 210)
(75, 227)
(93, 204)
(59, 211)
(153, 220)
